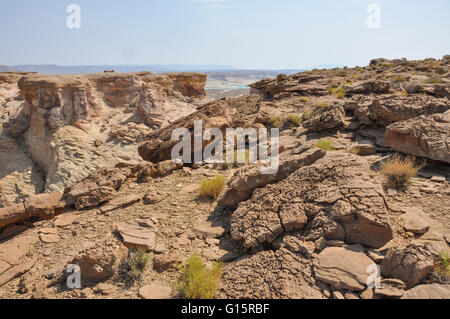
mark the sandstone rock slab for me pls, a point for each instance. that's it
(138, 233)
(343, 267)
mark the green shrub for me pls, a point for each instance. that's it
(325, 145)
(199, 282)
(212, 187)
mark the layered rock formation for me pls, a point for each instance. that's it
(69, 126)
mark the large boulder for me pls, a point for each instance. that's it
(368, 87)
(250, 177)
(433, 291)
(411, 264)
(99, 187)
(100, 261)
(284, 274)
(333, 198)
(326, 118)
(425, 136)
(343, 267)
(157, 146)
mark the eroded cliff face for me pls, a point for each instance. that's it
(57, 129)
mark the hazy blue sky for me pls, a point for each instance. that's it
(270, 34)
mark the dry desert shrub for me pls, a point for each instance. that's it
(212, 187)
(132, 268)
(399, 170)
(199, 281)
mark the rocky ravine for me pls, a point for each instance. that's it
(309, 231)
(58, 129)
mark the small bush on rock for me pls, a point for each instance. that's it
(399, 171)
(200, 282)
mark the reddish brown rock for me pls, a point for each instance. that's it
(411, 263)
(100, 262)
(138, 233)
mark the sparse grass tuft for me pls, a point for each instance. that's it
(304, 99)
(326, 145)
(434, 80)
(292, 120)
(276, 121)
(323, 104)
(307, 115)
(440, 70)
(212, 187)
(400, 79)
(199, 282)
(132, 268)
(399, 170)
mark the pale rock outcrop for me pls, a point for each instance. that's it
(72, 125)
(332, 198)
(19, 177)
(425, 136)
(343, 267)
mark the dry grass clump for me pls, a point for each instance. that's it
(434, 80)
(198, 281)
(304, 99)
(276, 121)
(400, 79)
(288, 122)
(293, 120)
(440, 70)
(326, 145)
(212, 187)
(399, 170)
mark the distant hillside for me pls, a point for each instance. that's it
(83, 69)
(4, 68)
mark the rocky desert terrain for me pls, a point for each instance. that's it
(86, 179)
